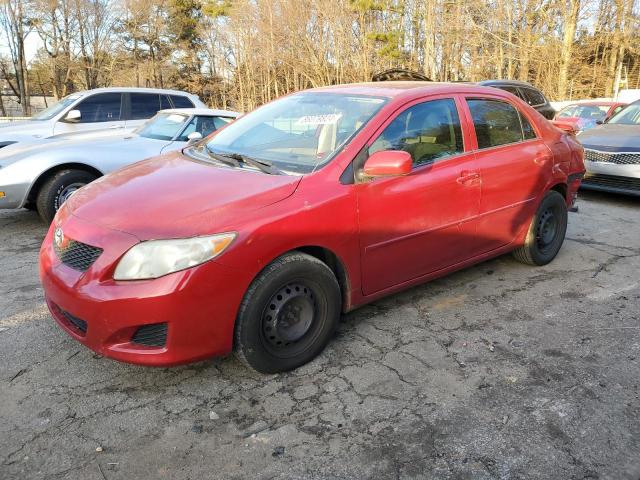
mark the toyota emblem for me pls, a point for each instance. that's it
(58, 237)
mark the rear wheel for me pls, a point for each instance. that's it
(57, 190)
(546, 232)
(288, 315)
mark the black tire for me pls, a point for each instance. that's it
(304, 296)
(546, 232)
(54, 191)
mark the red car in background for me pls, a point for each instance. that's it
(585, 115)
(259, 237)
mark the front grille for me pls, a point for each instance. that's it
(154, 335)
(620, 158)
(77, 255)
(611, 183)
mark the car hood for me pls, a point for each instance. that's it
(612, 137)
(24, 130)
(172, 196)
(75, 148)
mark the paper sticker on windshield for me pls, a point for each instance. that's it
(320, 119)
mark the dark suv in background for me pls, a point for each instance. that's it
(526, 92)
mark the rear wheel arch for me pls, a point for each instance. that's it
(562, 189)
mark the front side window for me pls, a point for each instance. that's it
(204, 125)
(164, 126)
(428, 131)
(300, 132)
(495, 122)
(102, 107)
(144, 105)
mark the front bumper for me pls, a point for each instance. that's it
(13, 196)
(198, 305)
(611, 177)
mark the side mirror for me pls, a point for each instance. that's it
(566, 126)
(73, 116)
(600, 122)
(193, 137)
(388, 163)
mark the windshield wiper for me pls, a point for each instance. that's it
(234, 159)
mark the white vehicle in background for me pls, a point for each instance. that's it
(101, 108)
(43, 174)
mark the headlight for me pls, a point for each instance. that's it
(155, 258)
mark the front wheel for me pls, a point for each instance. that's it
(546, 232)
(288, 314)
(57, 189)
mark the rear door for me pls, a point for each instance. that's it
(515, 165)
(143, 106)
(425, 221)
(97, 111)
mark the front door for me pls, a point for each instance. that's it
(97, 111)
(420, 223)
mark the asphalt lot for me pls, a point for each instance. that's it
(498, 371)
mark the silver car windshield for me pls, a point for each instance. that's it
(50, 112)
(297, 133)
(164, 126)
(630, 115)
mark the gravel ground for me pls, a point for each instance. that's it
(498, 371)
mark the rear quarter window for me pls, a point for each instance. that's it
(533, 97)
(496, 123)
(181, 102)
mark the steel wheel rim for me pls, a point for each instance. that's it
(65, 193)
(547, 229)
(289, 317)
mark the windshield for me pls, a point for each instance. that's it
(50, 112)
(300, 132)
(630, 115)
(164, 126)
(591, 112)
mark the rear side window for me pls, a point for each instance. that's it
(102, 107)
(510, 89)
(428, 131)
(495, 122)
(533, 97)
(181, 102)
(164, 102)
(144, 105)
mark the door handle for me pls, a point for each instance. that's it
(466, 177)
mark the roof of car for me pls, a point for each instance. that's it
(202, 111)
(136, 89)
(403, 88)
(518, 83)
(595, 103)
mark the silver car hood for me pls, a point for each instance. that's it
(125, 146)
(612, 137)
(24, 130)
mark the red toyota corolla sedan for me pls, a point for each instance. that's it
(256, 239)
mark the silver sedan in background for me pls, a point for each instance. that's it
(42, 175)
